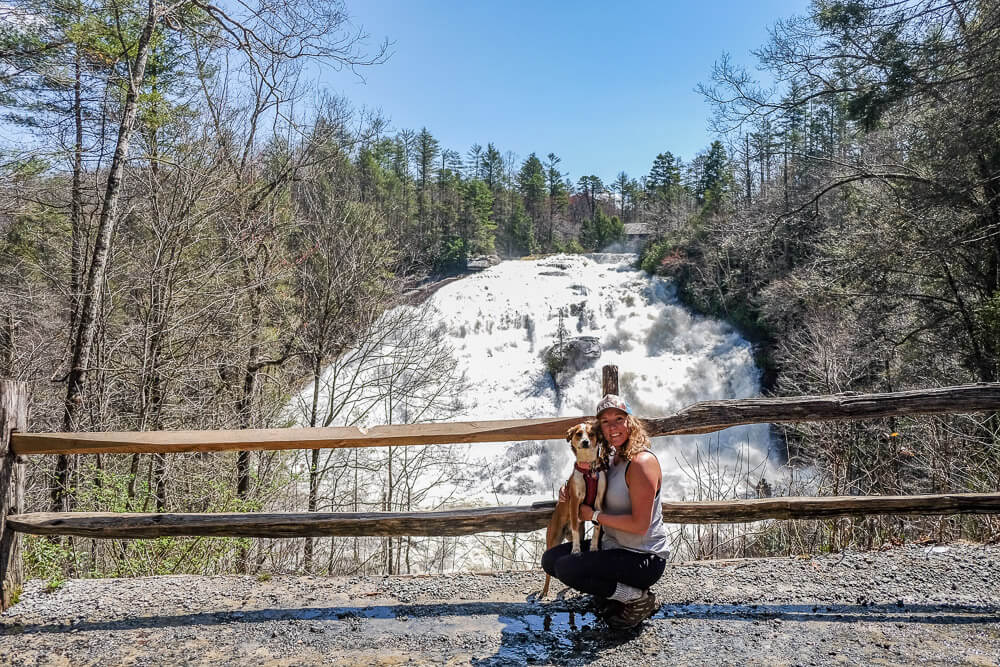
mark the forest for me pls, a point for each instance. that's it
(190, 234)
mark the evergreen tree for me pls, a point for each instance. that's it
(474, 161)
(633, 194)
(492, 168)
(621, 188)
(558, 195)
(532, 186)
(477, 228)
(426, 152)
(600, 230)
(590, 187)
(427, 148)
(520, 230)
(664, 177)
(714, 178)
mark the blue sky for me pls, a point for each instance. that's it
(605, 87)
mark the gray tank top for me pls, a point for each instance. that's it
(617, 501)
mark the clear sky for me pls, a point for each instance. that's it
(604, 86)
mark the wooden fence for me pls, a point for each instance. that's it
(705, 417)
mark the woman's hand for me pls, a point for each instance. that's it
(562, 493)
(586, 512)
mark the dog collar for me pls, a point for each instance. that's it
(586, 471)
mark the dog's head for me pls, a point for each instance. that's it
(583, 440)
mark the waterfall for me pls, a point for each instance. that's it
(494, 328)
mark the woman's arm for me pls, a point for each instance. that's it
(643, 478)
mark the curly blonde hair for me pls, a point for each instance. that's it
(638, 439)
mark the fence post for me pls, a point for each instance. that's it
(13, 417)
(609, 380)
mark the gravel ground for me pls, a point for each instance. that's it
(912, 605)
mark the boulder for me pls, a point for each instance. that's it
(482, 262)
(577, 353)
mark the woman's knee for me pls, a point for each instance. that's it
(550, 557)
(569, 569)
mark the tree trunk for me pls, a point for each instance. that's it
(76, 205)
(91, 298)
(314, 476)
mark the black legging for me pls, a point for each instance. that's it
(598, 572)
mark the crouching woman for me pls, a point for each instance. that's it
(633, 546)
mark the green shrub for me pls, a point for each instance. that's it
(49, 560)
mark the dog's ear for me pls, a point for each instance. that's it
(569, 434)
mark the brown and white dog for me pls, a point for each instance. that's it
(585, 486)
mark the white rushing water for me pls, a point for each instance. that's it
(498, 324)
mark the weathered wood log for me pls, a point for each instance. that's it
(520, 519)
(740, 511)
(286, 524)
(609, 379)
(703, 417)
(711, 416)
(507, 430)
(13, 415)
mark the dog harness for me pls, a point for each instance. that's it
(590, 477)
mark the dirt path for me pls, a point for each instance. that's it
(914, 605)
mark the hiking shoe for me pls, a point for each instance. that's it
(604, 607)
(633, 613)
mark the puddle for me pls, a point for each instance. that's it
(558, 622)
(540, 638)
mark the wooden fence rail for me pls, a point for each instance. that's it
(705, 417)
(523, 519)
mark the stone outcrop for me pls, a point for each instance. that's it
(574, 355)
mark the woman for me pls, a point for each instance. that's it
(633, 548)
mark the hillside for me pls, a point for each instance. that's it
(911, 605)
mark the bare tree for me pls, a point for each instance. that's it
(263, 35)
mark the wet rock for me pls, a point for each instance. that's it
(575, 354)
(481, 262)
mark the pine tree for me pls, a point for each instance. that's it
(558, 195)
(590, 187)
(520, 231)
(477, 228)
(714, 179)
(664, 177)
(474, 161)
(532, 186)
(492, 168)
(621, 187)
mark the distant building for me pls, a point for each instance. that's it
(638, 231)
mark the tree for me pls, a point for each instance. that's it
(600, 231)
(713, 178)
(664, 177)
(621, 188)
(400, 370)
(590, 187)
(558, 195)
(492, 167)
(520, 230)
(475, 161)
(427, 149)
(306, 31)
(477, 227)
(343, 258)
(531, 184)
